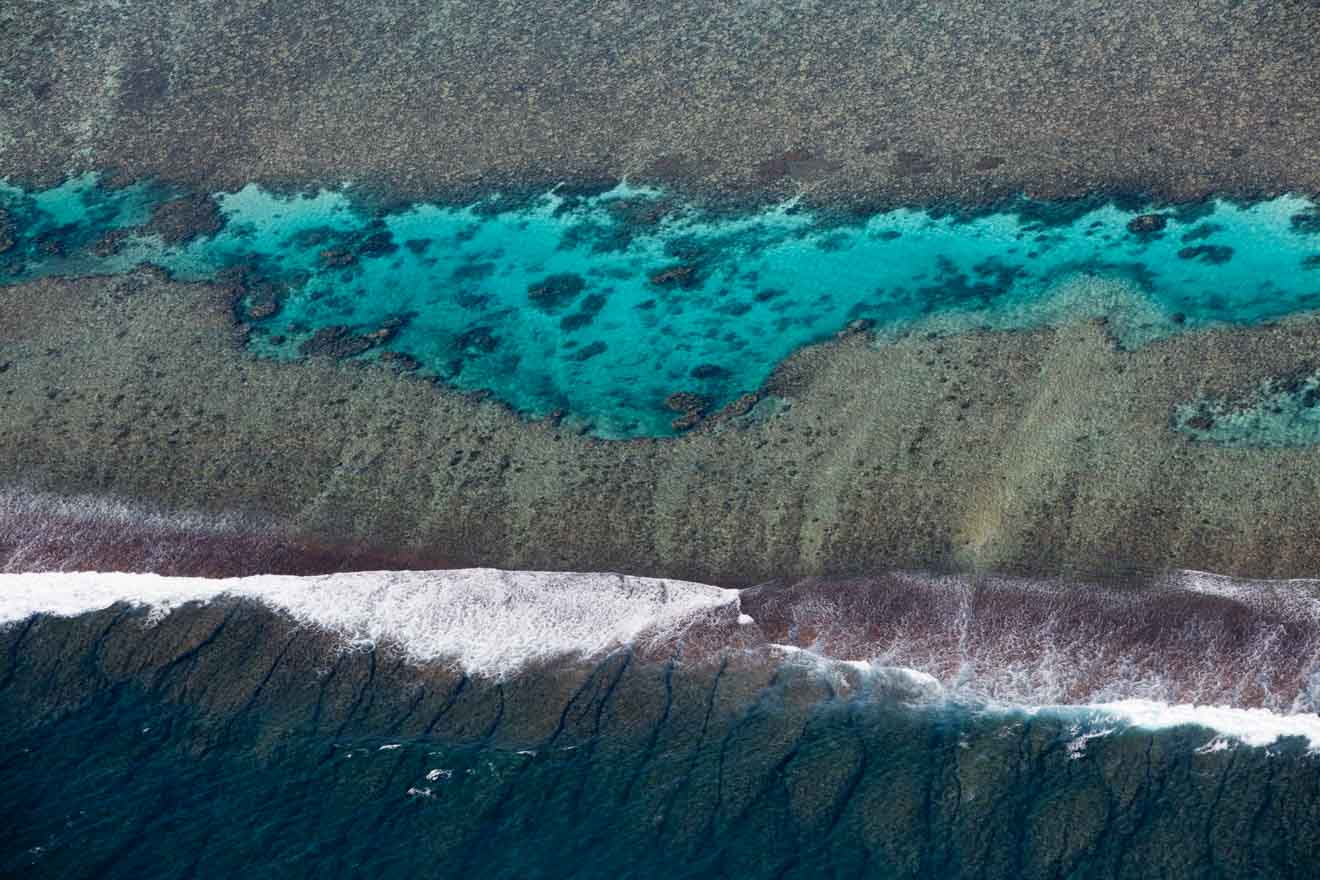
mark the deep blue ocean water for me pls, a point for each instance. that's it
(129, 784)
(600, 307)
(540, 725)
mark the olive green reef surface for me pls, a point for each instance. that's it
(1044, 450)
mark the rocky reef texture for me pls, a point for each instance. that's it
(1050, 450)
(225, 736)
(890, 101)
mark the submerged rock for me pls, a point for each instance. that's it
(348, 249)
(106, 246)
(52, 243)
(262, 308)
(742, 405)
(855, 327)
(710, 372)
(1147, 224)
(1216, 254)
(685, 401)
(575, 321)
(400, 361)
(182, 220)
(641, 212)
(338, 341)
(481, 338)
(587, 352)
(310, 238)
(556, 291)
(264, 299)
(687, 421)
(377, 244)
(389, 328)
(691, 406)
(335, 342)
(684, 276)
(1306, 222)
(337, 258)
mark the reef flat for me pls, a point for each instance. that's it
(1044, 450)
(1074, 404)
(875, 102)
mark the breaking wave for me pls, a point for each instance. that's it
(1182, 637)
(491, 623)
(1239, 658)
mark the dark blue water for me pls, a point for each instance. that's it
(602, 307)
(134, 784)
(225, 737)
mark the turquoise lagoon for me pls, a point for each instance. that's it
(598, 307)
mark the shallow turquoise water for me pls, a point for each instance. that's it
(600, 307)
(1282, 411)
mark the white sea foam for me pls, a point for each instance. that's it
(491, 622)
(1077, 745)
(898, 682)
(1252, 727)
(1231, 724)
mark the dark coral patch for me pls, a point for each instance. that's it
(587, 352)
(475, 271)
(1217, 254)
(593, 304)
(479, 338)
(1307, 222)
(182, 220)
(1201, 231)
(556, 291)
(377, 244)
(575, 321)
(1147, 224)
(335, 342)
(709, 372)
(682, 276)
